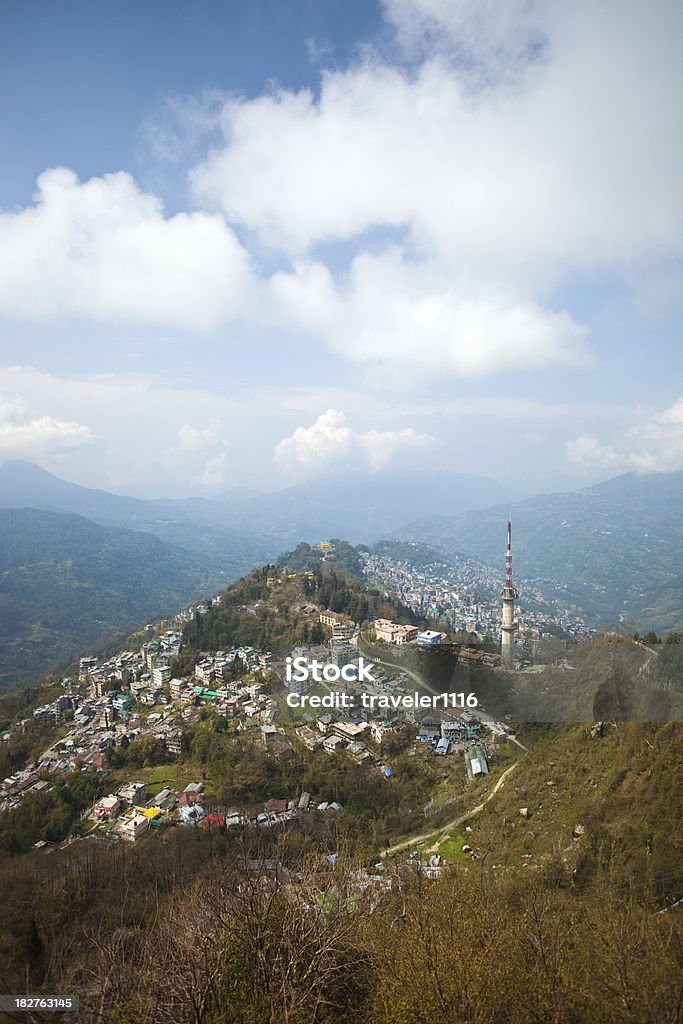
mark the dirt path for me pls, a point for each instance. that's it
(461, 819)
(439, 832)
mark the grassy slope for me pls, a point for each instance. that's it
(624, 789)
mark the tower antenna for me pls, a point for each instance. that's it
(509, 596)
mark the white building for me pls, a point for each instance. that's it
(133, 825)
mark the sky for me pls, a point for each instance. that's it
(247, 243)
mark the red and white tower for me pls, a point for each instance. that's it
(509, 595)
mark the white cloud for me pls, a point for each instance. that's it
(487, 34)
(193, 439)
(138, 451)
(103, 249)
(25, 435)
(407, 316)
(214, 472)
(653, 446)
(183, 126)
(331, 442)
(501, 188)
(522, 146)
(578, 164)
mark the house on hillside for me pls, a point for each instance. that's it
(107, 807)
(475, 762)
(133, 825)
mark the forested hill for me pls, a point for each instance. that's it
(65, 582)
(264, 609)
(337, 555)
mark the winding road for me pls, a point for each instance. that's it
(434, 833)
(460, 820)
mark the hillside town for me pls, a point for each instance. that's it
(464, 594)
(133, 696)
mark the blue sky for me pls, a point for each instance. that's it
(249, 242)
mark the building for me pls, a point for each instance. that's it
(190, 814)
(430, 638)
(329, 618)
(393, 632)
(161, 674)
(133, 825)
(342, 632)
(176, 686)
(132, 793)
(85, 666)
(107, 807)
(348, 731)
(268, 735)
(308, 737)
(429, 731)
(122, 702)
(452, 726)
(379, 730)
(475, 762)
(471, 723)
(174, 742)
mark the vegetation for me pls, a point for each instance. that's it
(420, 556)
(49, 815)
(567, 914)
(67, 582)
(266, 928)
(340, 556)
(254, 613)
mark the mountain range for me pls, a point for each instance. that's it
(66, 582)
(78, 563)
(616, 548)
(358, 507)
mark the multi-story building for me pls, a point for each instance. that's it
(107, 807)
(133, 825)
(329, 618)
(393, 632)
(430, 638)
(161, 674)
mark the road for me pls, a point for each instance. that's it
(409, 672)
(433, 833)
(481, 714)
(460, 820)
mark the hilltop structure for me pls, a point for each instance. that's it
(509, 595)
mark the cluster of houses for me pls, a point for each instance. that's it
(332, 736)
(128, 815)
(393, 632)
(17, 785)
(464, 593)
(134, 695)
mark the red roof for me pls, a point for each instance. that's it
(188, 798)
(213, 821)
